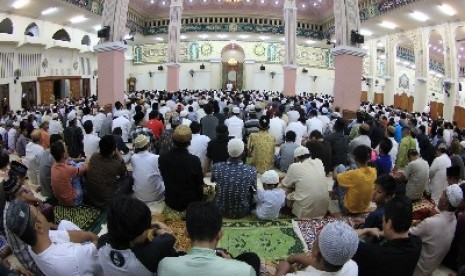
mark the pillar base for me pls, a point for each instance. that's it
(290, 79)
(348, 73)
(172, 79)
(111, 81)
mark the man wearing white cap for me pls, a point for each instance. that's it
(148, 183)
(437, 232)
(306, 183)
(331, 253)
(235, 124)
(235, 183)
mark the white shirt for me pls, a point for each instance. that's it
(325, 120)
(293, 116)
(198, 147)
(87, 117)
(438, 177)
(277, 129)
(98, 120)
(125, 126)
(235, 126)
(68, 258)
(11, 138)
(269, 202)
(91, 145)
(148, 183)
(163, 110)
(299, 129)
(55, 127)
(33, 153)
(350, 268)
(314, 124)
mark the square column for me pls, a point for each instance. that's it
(111, 72)
(348, 73)
(290, 79)
(172, 78)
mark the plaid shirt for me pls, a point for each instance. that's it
(236, 184)
(19, 248)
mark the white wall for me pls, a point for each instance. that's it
(59, 54)
(210, 77)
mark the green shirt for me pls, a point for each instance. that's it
(405, 145)
(204, 262)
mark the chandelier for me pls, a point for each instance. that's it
(233, 1)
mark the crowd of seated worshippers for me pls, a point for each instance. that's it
(266, 154)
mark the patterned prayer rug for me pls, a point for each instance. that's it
(422, 209)
(307, 230)
(271, 240)
(178, 227)
(84, 216)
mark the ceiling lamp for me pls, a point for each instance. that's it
(49, 10)
(419, 16)
(388, 25)
(447, 9)
(18, 4)
(366, 32)
(233, 1)
(77, 19)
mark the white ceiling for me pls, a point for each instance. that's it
(62, 16)
(400, 17)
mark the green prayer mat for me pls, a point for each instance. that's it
(270, 240)
(84, 216)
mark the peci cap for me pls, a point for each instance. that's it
(235, 147)
(301, 151)
(182, 134)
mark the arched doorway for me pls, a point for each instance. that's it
(232, 60)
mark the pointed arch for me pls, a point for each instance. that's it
(32, 30)
(6, 26)
(85, 40)
(62, 35)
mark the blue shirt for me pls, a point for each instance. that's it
(398, 135)
(384, 164)
(375, 219)
(236, 184)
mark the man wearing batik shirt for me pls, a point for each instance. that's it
(140, 129)
(236, 183)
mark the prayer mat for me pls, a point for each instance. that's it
(309, 229)
(84, 216)
(178, 227)
(270, 240)
(422, 209)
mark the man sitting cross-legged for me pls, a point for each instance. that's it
(57, 253)
(203, 227)
(330, 255)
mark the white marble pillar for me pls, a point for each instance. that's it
(290, 34)
(174, 39)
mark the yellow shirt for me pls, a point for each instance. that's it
(359, 184)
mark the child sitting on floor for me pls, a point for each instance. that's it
(385, 189)
(384, 162)
(271, 199)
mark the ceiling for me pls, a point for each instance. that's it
(63, 14)
(310, 10)
(402, 16)
(307, 9)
